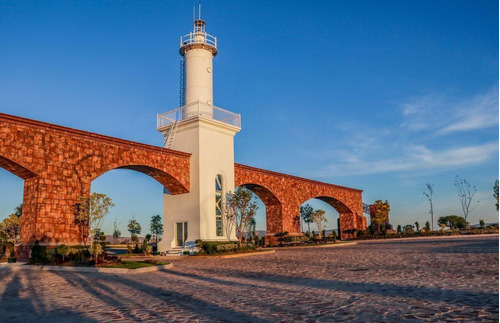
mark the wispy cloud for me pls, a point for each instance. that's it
(414, 158)
(421, 139)
(445, 114)
(479, 113)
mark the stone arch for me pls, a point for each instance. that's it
(274, 207)
(16, 168)
(172, 184)
(346, 215)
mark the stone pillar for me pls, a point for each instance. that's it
(347, 225)
(274, 223)
(28, 218)
(49, 213)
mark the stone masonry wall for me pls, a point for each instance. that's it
(283, 194)
(58, 165)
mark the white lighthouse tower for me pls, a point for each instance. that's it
(207, 132)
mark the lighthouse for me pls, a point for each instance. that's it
(207, 132)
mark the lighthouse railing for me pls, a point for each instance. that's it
(196, 109)
(199, 37)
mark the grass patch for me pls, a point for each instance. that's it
(134, 264)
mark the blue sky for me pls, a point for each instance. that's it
(383, 96)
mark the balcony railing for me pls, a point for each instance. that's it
(198, 37)
(196, 109)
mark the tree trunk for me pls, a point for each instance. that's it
(240, 237)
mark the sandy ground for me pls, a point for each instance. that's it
(433, 279)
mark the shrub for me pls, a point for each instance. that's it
(96, 250)
(256, 240)
(209, 248)
(129, 249)
(51, 255)
(145, 247)
(12, 252)
(2, 249)
(213, 247)
(38, 253)
(64, 251)
(79, 254)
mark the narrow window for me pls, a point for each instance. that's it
(218, 206)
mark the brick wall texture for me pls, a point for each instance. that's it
(283, 194)
(58, 165)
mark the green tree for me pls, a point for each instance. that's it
(408, 228)
(466, 194)
(18, 210)
(156, 226)
(417, 226)
(148, 237)
(306, 212)
(453, 221)
(10, 229)
(239, 210)
(427, 226)
(251, 227)
(116, 232)
(102, 237)
(319, 218)
(64, 251)
(400, 229)
(91, 212)
(481, 224)
(145, 248)
(334, 236)
(96, 250)
(428, 191)
(135, 229)
(379, 212)
(495, 193)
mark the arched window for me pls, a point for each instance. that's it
(218, 206)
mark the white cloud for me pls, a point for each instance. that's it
(480, 113)
(445, 114)
(421, 142)
(415, 158)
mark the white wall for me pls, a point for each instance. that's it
(211, 144)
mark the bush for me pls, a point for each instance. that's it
(2, 249)
(256, 240)
(145, 247)
(38, 253)
(12, 252)
(213, 247)
(51, 255)
(96, 250)
(64, 251)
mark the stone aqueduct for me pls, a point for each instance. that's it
(58, 165)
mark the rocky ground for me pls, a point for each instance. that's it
(435, 279)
